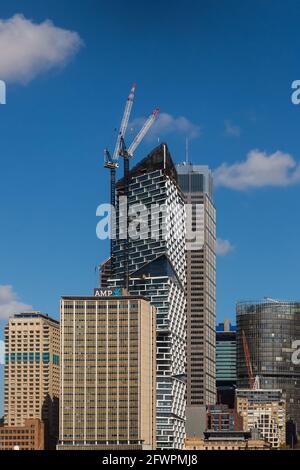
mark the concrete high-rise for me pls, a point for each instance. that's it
(157, 268)
(108, 387)
(31, 377)
(270, 328)
(197, 186)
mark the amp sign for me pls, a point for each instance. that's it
(115, 292)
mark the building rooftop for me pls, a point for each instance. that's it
(105, 298)
(159, 159)
(34, 314)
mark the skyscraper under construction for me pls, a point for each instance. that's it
(157, 270)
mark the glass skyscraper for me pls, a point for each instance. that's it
(270, 328)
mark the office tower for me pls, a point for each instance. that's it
(31, 377)
(222, 418)
(227, 440)
(270, 328)
(27, 437)
(197, 186)
(264, 410)
(157, 270)
(107, 398)
(226, 363)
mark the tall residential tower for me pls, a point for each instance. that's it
(157, 268)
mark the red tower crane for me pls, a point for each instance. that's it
(248, 361)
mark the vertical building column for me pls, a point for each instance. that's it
(74, 370)
(118, 370)
(62, 369)
(85, 408)
(107, 354)
(128, 373)
(96, 375)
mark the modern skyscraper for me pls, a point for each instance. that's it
(270, 328)
(31, 377)
(108, 386)
(197, 185)
(226, 362)
(157, 268)
(264, 410)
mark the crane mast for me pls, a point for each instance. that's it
(124, 122)
(111, 163)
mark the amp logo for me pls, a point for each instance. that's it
(116, 292)
(2, 92)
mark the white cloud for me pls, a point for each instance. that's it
(231, 130)
(28, 48)
(167, 124)
(223, 247)
(9, 303)
(259, 170)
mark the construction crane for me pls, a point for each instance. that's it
(248, 361)
(111, 162)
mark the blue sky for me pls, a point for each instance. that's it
(226, 66)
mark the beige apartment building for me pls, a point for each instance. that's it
(31, 376)
(264, 410)
(108, 381)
